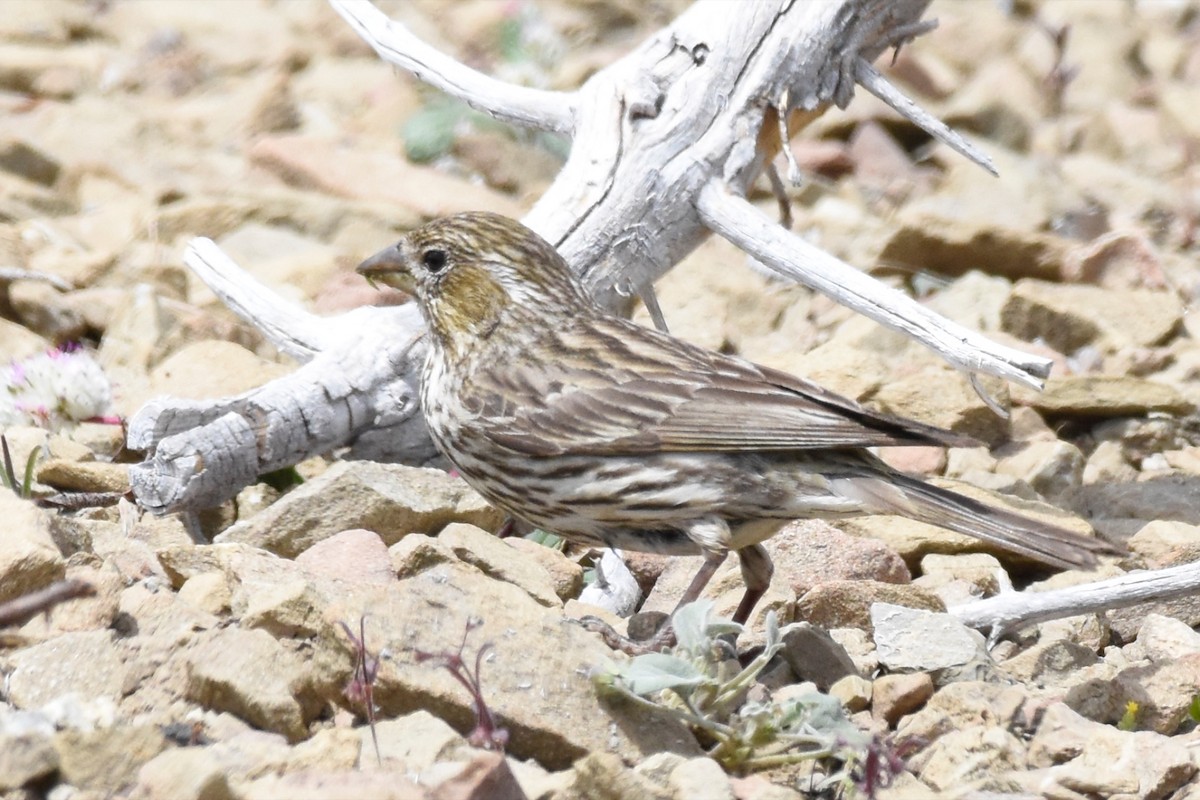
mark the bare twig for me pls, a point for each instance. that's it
(25, 607)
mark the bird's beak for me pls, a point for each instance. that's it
(390, 268)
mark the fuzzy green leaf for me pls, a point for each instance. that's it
(651, 673)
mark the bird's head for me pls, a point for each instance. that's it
(469, 271)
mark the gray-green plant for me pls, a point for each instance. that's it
(702, 685)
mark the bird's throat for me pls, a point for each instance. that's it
(466, 308)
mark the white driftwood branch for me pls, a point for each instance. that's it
(783, 251)
(397, 45)
(1011, 610)
(876, 84)
(286, 325)
(652, 132)
(357, 388)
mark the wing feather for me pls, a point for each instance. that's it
(671, 396)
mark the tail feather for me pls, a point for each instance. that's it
(1012, 531)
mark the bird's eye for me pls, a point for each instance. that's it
(434, 260)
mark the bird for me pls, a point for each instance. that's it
(610, 434)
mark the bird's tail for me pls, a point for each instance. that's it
(912, 497)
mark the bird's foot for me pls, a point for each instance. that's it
(663, 638)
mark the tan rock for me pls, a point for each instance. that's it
(106, 760)
(565, 575)
(965, 756)
(25, 759)
(224, 674)
(183, 773)
(841, 604)
(854, 692)
(212, 369)
(1050, 467)
(893, 696)
(390, 499)
(1069, 316)
(29, 558)
(208, 591)
(89, 663)
(84, 476)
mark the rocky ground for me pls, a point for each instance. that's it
(231, 669)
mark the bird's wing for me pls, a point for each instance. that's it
(665, 395)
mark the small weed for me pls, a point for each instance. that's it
(361, 688)
(1128, 720)
(486, 734)
(8, 475)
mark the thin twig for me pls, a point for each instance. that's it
(25, 607)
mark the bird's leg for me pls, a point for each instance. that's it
(664, 637)
(757, 570)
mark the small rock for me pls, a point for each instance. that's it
(565, 575)
(90, 663)
(84, 476)
(926, 239)
(29, 559)
(908, 639)
(1050, 467)
(979, 571)
(1108, 464)
(1159, 538)
(389, 499)
(416, 553)
(22, 159)
(1105, 762)
(604, 775)
(290, 609)
(962, 757)
(842, 604)
(412, 743)
(495, 558)
(25, 758)
(485, 777)
(356, 555)
(893, 696)
(184, 773)
(1119, 260)
(106, 760)
(808, 552)
(322, 785)
(814, 656)
(1162, 693)
(954, 406)
(854, 691)
(1050, 663)
(1069, 316)
(700, 779)
(208, 591)
(1090, 396)
(224, 674)
(211, 369)
(957, 706)
(1164, 639)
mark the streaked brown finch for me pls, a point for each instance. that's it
(609, 434)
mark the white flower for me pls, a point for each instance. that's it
(54, 388)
